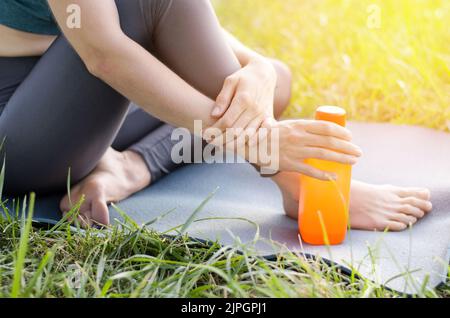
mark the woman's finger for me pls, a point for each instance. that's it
(328, 155)
(316, 173)
(335, 144)
(231, 115)
(262, 134)
(326, 128)
(307, 170)
(253, 128)
(238, 106)
(225, 97)
(247, 118)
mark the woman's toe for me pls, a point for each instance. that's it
(423, 205)
(424, 194)
(403, 218)
(84, 220)
(64, 205)
(411, 210)
(420, 193)
(395, 226)
(100, 212)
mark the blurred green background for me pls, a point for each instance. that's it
(385, 60)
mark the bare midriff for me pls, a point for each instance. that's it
(15, 43)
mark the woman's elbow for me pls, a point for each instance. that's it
(97, 62)
(99, 57)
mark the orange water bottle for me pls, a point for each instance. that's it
(323, 205)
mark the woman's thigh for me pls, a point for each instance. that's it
(137, 125)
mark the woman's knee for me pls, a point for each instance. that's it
(190, 41)
(284, 87)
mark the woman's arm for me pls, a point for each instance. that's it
(130, 69)
(127, 67)
(247, 97)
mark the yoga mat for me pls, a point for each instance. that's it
(245, 202)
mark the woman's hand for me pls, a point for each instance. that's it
(247, 97)
(312, 139)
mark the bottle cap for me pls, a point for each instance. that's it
(332, 114)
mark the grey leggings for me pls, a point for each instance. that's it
(57, 115)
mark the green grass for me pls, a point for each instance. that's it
(132, 261)
(398, 73)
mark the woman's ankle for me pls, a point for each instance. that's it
(136, 170)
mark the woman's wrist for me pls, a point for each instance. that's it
(265, 69)
(262, 62)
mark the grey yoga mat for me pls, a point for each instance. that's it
(245, 202)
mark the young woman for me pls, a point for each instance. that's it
(66, 93)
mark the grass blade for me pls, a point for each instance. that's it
(191, 219)
(22, 251)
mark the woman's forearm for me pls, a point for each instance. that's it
(128, 68)
(142, 78)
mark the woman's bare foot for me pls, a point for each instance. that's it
(372, 207)
(117, 176)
